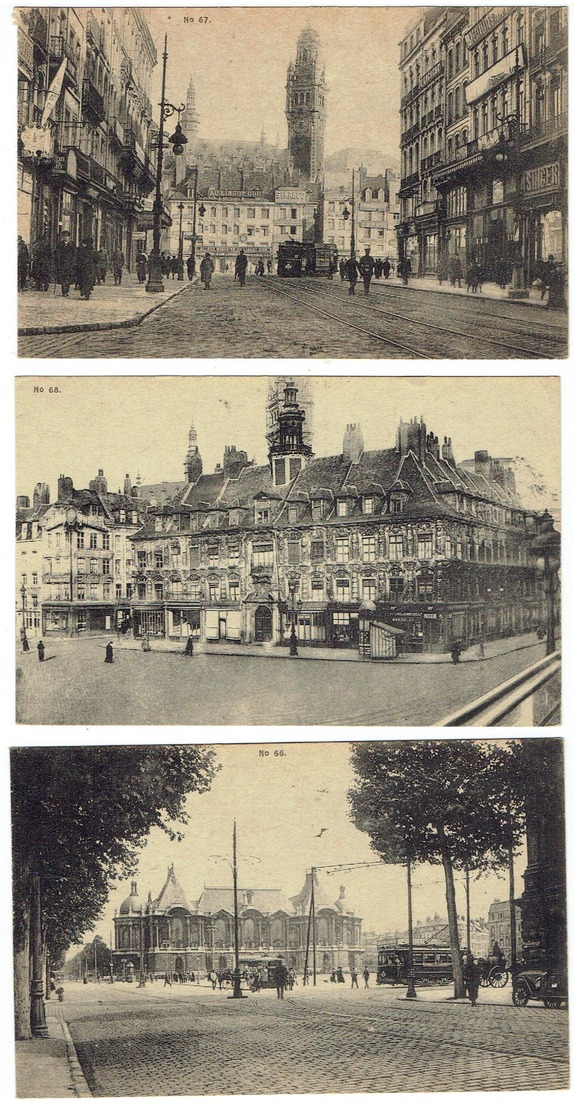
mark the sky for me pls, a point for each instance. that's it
(280, 805)
(131, 424)
(239, 58)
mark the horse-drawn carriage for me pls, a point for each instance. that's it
(493, 972)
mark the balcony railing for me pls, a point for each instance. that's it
(435, 159)
(431, 75)
(411, 180)
(93, 105)
(94, 32)
(544, 129)
(38, 29)
(60, 49)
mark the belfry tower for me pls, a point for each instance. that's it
(305, 107)
(288, 452)
(193, 464)
(190, 121)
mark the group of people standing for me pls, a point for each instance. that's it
(66, 265)
(366, 267)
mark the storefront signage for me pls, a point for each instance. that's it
(233, 194)
(494, 76)
(290, 195)
(542, 178)
(484, 25)
(37, 141)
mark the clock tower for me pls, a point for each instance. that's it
(305, 107)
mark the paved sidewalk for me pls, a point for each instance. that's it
(323, 653)
(490, 292)
(109, 307)
(49, 1068)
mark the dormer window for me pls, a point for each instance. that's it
(396, 504)
(122, 517)
(342, 508)
(234, 517)
(368, 504)
(262, 515)
(318, 508)
(292, 513)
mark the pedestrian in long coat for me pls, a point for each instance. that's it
(109, 659)
(42, 264)
(472, 980)
(241, 267)
(406, 271)
(190, 267)
(366, 268)
(141, 267)
(118, 263)
(65, 263)
(206, 269)
(41, 648)
(86, 267)
(23, 264)
(189, 647)
(352, 271)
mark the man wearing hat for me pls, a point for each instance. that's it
(65, 262)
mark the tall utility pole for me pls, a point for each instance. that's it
(467, 884)
(353, 213)
(411, 992)
(237, 972)
(155, 284)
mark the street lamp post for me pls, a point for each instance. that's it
(180, 244)
(293, 581)
(546, 547)
(346, 214)
(411, 992)
(177, 140)
(237, 994)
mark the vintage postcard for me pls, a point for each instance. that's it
(215, 182)
(251, 550)
(322, 910)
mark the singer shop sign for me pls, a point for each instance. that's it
(542, 179)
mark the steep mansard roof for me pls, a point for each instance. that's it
(266, 901)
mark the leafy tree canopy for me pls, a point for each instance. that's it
(420, 799)
(80, 815)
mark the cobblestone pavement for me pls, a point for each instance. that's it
(73, 686)
(108, 305)
(177, 1040)
(285, 319)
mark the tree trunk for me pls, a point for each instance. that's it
(453, 924)
(22, 1027)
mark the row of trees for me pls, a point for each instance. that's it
(458, 804)
(80, 815)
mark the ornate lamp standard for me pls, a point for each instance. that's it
(346, 213)
(177, 141)
(546, 548)
(293, 581)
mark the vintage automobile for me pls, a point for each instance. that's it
(539, 985)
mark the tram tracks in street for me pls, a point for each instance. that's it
(416, 321)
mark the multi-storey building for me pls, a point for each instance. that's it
(499, 927)
(375, 215)
(85, 124)
(401, 533)
(172, 934)
(494, 179)
(422, 138)
(74, 558)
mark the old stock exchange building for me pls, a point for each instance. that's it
(403, 535)
(171, 934)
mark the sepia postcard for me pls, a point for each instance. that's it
(245, 920)
(288, 551)
(323, 182)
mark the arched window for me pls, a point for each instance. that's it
(457, 57)
(449, 148)
(449, 108)
(450, 63)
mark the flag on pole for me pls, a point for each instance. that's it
(53, 94)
